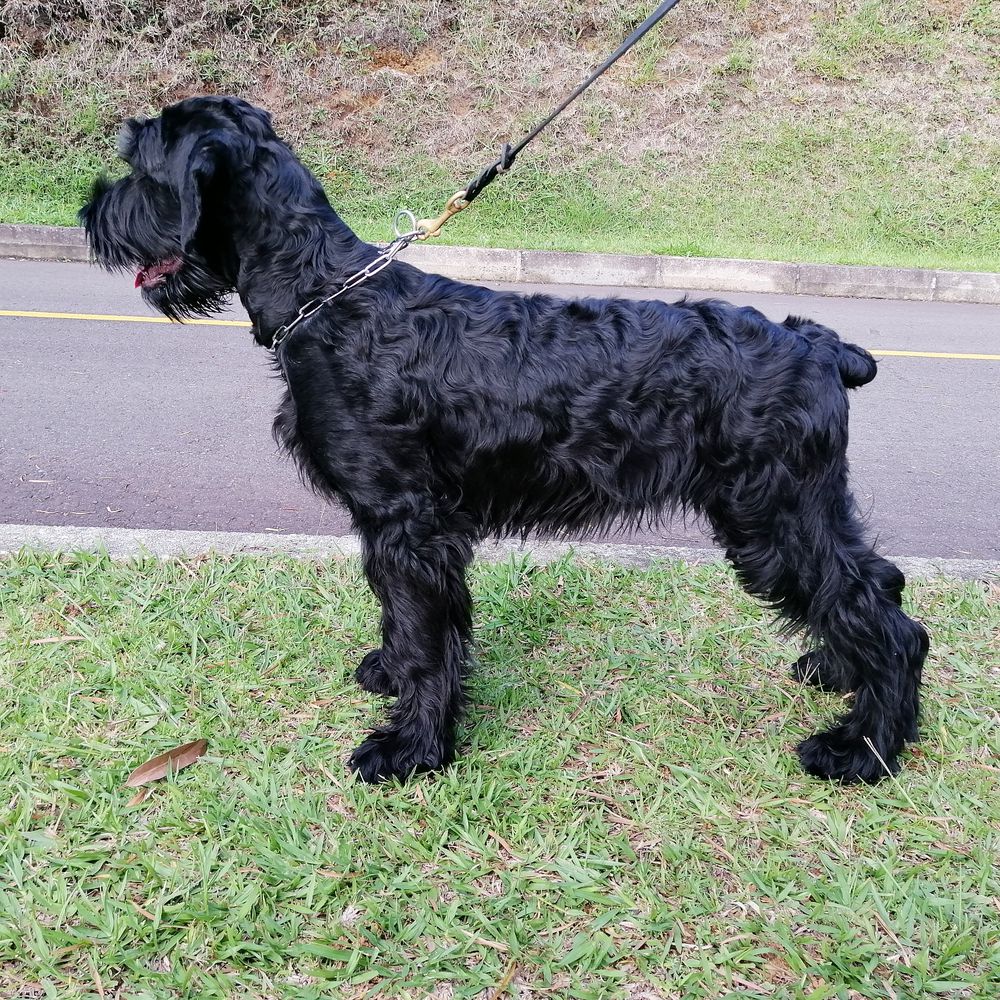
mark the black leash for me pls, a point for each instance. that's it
(462, 199)
(506, 158)
(426, 228)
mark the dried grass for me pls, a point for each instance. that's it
(449, 80)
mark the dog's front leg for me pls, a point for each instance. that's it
(417, 570)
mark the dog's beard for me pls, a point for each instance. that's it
(133, 224)
(187, 289)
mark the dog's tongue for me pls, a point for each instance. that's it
(146, 275)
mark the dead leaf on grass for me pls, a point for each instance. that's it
(167, 763)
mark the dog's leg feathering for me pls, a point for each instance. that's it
(417, 571)
(372, 676)
(817, 569)
(818, 668)
(882, 650)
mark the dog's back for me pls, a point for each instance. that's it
(573, 414)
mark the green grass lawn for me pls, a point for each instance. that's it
(799, 195)
(855, 132)
(627, 820)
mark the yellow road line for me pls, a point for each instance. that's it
(933, 354)
(243, 323)
(123, 319)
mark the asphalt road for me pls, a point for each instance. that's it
(142, 425)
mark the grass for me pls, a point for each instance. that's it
(802, 194)
(857, 132)
(627, 819)
(807, 202)
(873, 30)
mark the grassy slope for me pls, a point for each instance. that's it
(628, 820)
(863, 131)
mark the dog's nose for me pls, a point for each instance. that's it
(128, 135)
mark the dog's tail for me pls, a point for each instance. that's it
(857, 366)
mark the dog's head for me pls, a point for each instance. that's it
(174, 219)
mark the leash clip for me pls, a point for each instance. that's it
(432, 227)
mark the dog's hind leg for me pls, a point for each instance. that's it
(822, 670)
(810, 560)
(417, 570)
(880, 651)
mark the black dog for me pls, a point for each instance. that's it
(440, 413)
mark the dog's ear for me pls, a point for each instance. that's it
(210, 160)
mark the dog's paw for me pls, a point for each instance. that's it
(815, 668)
(373, 677)
(838, 757)
(387, 756)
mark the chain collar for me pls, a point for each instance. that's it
(383, 260)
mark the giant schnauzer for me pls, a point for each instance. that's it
(440, 413)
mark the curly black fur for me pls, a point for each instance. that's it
(440, 413)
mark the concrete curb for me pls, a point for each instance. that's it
(621, 270)
(125, 543)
